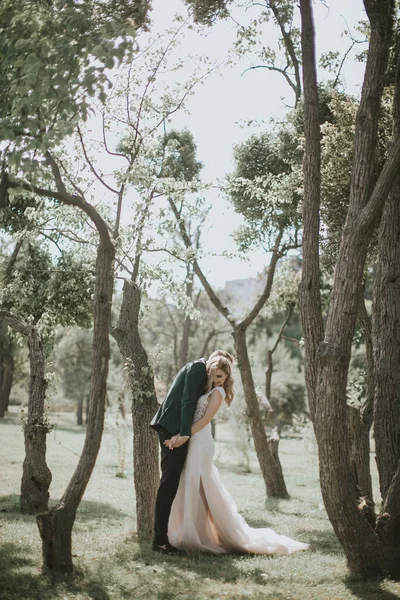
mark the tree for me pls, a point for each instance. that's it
(369, 550)
(50, 47)
(74, 358)
(139, 106)
(274, 233)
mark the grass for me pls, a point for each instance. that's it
(112, 565)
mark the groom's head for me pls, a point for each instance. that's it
(223, 353)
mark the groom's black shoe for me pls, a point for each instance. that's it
(164, 548)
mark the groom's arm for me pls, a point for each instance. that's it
(214, 404)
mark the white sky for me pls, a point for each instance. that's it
(237, 96)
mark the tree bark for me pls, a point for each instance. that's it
(386, 339)
(79, 410)
(270, 465)
(36, 476)
(6, 382)
(327, 378)
(144, 406)
(360, 420)
(56, 526)
(360, 459)
(184, 345)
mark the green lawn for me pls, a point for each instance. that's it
(112, 566)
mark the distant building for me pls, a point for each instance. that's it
(242, 294)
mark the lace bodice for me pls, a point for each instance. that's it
(202, 403)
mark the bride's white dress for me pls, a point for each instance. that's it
(204, 517)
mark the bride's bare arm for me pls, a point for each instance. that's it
(214, 403)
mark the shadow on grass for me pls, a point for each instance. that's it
(368, 589)
(167, 577)
(10, 419)
(323, 541)
(21, 578)
(66, 428)
(88, 510)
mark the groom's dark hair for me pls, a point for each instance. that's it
(222, 353)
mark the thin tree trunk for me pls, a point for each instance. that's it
(56, 525)
(7, 375)
(184, 345)
(204, 350)
(7, 345)
(8, 378)
(36, 476)
(79, 410)
(270, 465)
(144, 406)
(4, 351)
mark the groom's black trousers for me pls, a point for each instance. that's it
(172, 462)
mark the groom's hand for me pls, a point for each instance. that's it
(176, 441)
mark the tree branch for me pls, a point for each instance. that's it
(277, 70)
(280, 333)
(276, 255)
(91, 166)
(287, 40)
(208, 288)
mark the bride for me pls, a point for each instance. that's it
(204, 517)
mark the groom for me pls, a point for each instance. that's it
(173, 420)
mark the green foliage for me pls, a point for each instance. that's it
(265, 186)
(178, 151)
(336, 166)
(47, 294)
(27, 293)
(284, 293)
(73, 362)
(208, 11)
(71, 291)
(288, 396)
(15, 210)
(53, 58)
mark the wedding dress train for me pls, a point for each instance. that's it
(204, 517)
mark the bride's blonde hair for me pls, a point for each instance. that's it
(220, 362)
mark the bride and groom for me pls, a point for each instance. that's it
(194, 511)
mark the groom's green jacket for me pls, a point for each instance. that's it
(176, 412)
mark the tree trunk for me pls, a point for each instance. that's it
(36, 476)
(7, 381)
(144, 406)
(360, 431)
(184, 345)
(55, 527)
(6, 368)
(79, 410)
(270, 465)
(360, 461)
(327, 378)
(386, 338)
(268, 376)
